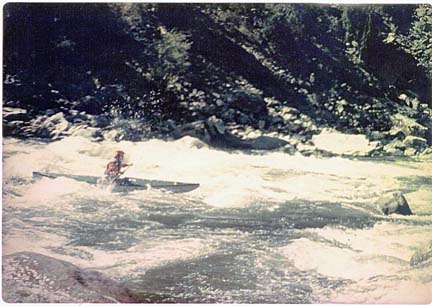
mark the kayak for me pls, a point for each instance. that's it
(125, 184)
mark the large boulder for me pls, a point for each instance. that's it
(35, 278)
(393, 203)
(52, 127)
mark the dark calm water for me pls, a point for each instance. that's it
(267, 228)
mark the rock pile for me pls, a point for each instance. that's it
(256, 124)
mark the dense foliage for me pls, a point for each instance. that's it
(344, 66)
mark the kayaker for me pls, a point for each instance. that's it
(113, 168)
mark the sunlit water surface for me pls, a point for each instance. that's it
(262, 228)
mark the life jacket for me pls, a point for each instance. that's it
(113, 168)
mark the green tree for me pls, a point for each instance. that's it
(172, 57)
(420, 37)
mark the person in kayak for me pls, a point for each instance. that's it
(113, 168)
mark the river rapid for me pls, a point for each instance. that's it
(262, 228)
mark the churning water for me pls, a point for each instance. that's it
(262, 228)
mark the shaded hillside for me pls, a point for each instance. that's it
(216, 70)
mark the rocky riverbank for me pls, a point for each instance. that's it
(287, 130)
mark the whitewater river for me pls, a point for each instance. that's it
(262, 228)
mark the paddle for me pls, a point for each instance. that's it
(127, 167)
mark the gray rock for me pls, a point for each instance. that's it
(398, 152)
(111, 135)
(288, 117)
(100, 121)
(195, 129)
(422, 256)
(15, 114)
(426, 152)
(267, 143)
(306, 149)
(215, 126)
(76, 117)
(13, 128)
(410, 152)
(407, 126)
(50, 112)
(416, 142)
(35, 278)
(276, 119)
(229, 115)
(397, 134)
(250, 104)
(244, 119)
(57, 119)
(219, 102)
(289, 149)
(393, 203)
(396, 147)
(90, 105)
(376, 135)
(53, 127)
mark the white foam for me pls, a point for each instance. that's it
(384, 291)
(232, 180)
(334, 261)
(142, 257)
(383, 239)
(376, 259)
(334, 141)
(46, 190)
(24, 240)
(245, 177)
